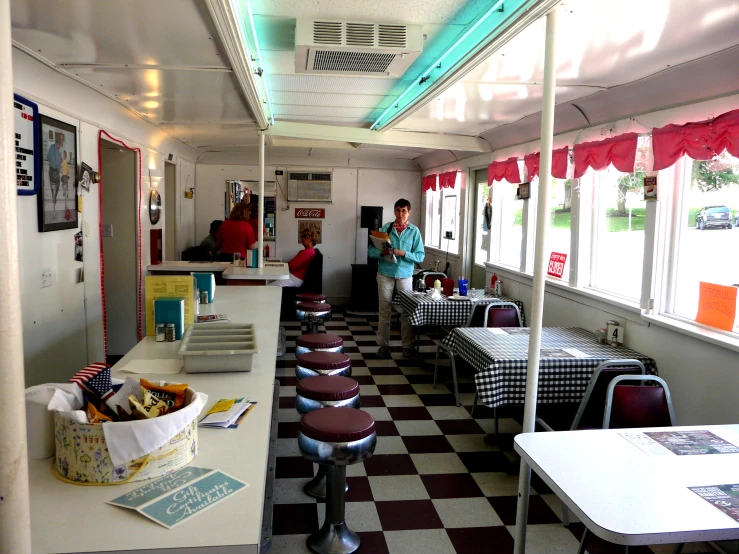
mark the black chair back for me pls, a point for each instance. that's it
(313, 281)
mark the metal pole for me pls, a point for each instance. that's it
(15, 515)
(540, 269)
(260, 216)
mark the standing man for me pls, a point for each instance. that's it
(407, 247)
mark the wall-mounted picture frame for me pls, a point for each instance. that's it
(523, 192)
(57, 199)
(27, 162)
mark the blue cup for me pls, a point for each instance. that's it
(463, 287)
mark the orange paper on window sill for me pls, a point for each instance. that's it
(717, 306)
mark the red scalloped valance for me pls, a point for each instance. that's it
(429, 183)
(619, 151)
(701, 140)
(447, 180)
(508, 170)
(559, 163)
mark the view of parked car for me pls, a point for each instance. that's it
(714, 216)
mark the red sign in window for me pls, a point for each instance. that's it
(556, 264)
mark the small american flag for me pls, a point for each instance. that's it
(95, 378)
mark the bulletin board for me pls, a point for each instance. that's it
(27, 163)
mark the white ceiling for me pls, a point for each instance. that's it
(164, 60)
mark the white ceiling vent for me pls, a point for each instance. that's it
(352, 48)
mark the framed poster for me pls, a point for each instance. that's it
(310, 224)
(57, 199)
(27, 163)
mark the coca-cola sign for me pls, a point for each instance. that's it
(310, 213)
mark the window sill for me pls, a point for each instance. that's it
(695, 330)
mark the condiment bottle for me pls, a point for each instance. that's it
(170, 332)
(437, 285)
(160, 332)
(493, 280)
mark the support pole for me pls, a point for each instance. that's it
(540, 270)
(15, 516)
(260, 213)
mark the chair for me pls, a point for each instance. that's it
(429, 278)
(313, 282)
(629, 406)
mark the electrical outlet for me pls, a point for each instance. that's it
(46, 277)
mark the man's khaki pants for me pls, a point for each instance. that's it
(385, 288)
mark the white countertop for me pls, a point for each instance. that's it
(68, 518)
(628, 497)
(267, 273)
(189, 266)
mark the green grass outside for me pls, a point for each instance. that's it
(561, 220)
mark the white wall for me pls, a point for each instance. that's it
(62, 324)
(352, 188)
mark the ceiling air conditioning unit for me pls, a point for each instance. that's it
(349, 48)
(308, 187)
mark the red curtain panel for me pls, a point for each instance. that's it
(701, 140)
(508, 170)
(429, 182)
(447, 180)
(559, 163)
(619, 151)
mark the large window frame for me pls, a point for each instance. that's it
(437, 205)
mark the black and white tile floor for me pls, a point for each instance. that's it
(432, 486)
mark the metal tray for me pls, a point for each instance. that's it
(218, 347)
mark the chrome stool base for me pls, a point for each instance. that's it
(334, 537)
(316, 487)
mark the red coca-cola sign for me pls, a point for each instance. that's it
(310, 213)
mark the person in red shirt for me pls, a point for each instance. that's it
(299, 264)
(235, 235)
(253, 218)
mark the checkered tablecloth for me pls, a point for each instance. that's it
(422, 310)
(500, 357)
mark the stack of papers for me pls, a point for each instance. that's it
(226, 413)
(212, 318)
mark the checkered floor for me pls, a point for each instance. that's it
(432, 485)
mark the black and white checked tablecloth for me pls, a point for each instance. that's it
(422, 310)
(500, 357)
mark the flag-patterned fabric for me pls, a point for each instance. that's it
(95, 379)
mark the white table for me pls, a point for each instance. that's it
(628, 497)
(246, 276)
(187, 267)
(71, 518)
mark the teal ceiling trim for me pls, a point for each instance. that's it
(492, 22)
(251, 41)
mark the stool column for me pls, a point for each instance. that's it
(334, 535)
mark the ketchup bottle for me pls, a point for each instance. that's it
(493, 279)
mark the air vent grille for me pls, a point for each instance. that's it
(327, 32)
(360, 34)
(392, 36)
(298, 176)
(321, 176)
(366, 62)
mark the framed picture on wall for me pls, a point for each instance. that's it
(57, 199)
(316, 225)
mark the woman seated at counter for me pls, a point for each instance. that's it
(234, 235)
(300, 263)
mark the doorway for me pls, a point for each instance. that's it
(481, 216)
(170, 218)
(120, 246)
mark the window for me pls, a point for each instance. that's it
(433, 218)
(511, 224)
(483, 221)
(442, 217)
(706, 248)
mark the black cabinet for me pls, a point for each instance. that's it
(364, 287)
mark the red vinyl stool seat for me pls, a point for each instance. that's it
(310, 297)
(313, 364)
(326, 392)
(312, 313)
(318, 342)
(338, 425)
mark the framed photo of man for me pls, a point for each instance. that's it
(57, 199)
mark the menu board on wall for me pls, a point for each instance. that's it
(27, 173)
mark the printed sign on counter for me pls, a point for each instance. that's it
(556, 266)
(717, 306)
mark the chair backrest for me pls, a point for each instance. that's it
(503, 314)
(638, 405)
(429, 278)
(590, 412)
(478, 315)
(313, 281)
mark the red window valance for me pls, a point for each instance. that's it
(429, 183)
(619, 151)
(508, 170)
(559, 163)
(701, 140)
(447, 180)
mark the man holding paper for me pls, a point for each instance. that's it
(402, 248)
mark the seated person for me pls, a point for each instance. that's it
(299, 264)
(234, 235)
(209, 242)
(254, 218)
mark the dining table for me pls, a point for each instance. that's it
(449, 311)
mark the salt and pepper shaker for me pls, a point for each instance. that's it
(170, 332)
(160, 335)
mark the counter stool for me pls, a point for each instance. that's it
(318, 342)
(313, 364)
(310, 297)
(324, 391)
(312, 313)
(336, 438)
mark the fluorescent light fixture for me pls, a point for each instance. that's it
(474, 38)
(261, 71)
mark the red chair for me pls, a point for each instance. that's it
(429, 279)
(503, 314)
(638, 405)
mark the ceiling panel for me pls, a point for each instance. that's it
(330, 84)
(329, 100)
(173, 96)
(201, 136)
(286, 112)
(141, 32)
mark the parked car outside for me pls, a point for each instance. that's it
(713, 216)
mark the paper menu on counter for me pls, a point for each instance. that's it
(169, 286)
(172, 499)
(225, 412)
(680, 443)
(723, 497)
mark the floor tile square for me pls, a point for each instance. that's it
(470, 443)
(394, 381)
(291, 519)
(416, 371)
(400, 414)
(506, 425)
(287, 447)
(364, 379)
(287, 430)
(359, 489)
(432, 444)
(355, 470)
(293, 468)
(469, 540)
(402, 515)
(379, 363)
(288, 414)
(358, 370)
(290, 491)
(448, 412)
(372, 543)
(418, 427)
(466, 512)
(360, 516)
(390, 445)
(429, 388)
(401, 400)
(496, 483)
(430, 464)
(397, 487)
(287, 381)
(368, 390)
(551, 539)
(371, 401)
(432, 541)
(460, 427)
(287, 402)
(289, 544)
(390, 464)
(481, 462)
(385, 428)
(455, 485)
(539, 512)
(386, 371)
(287, 391)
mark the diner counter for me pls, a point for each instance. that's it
(215, 267)
(68, 518)
(271, 272)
